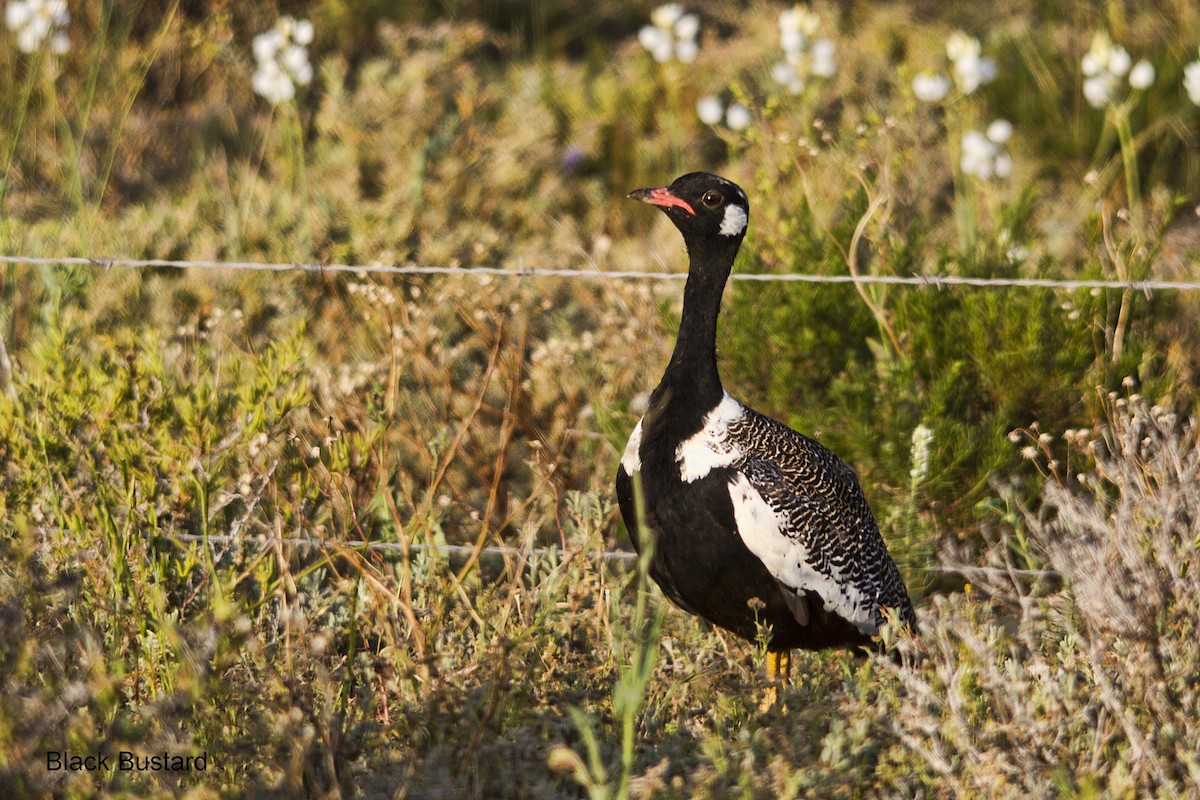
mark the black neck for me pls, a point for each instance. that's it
(692, 371)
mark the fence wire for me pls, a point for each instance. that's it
(465, 551)
(934, 281)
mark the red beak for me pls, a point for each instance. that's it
(661, 197)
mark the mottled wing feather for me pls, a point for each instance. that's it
(819, 535)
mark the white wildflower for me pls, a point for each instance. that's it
(796, 26)
(666, 15)
(1000, 131)
(737, 117)
(1104, 65)
(971, 69)
(686, 50)
(1142, 75)
(671, 34)
(270, 81)
(822, 62)
(959, 45)
(282, 56)
(303, 32)
(973, 72)
(295, 61)
(788, 76)
(35, 21)
(1119, 61)
(790, 39)
(1191, 81)
(657, 42)
(710, 109)
(1098, 89)
(803, 57)
(1016, 253)
(687, 26)
(930, 87)
(922, 438)
(1003, 165)
(1096, 59)
(977, 154)
(983, 154)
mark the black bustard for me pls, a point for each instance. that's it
(756, 526)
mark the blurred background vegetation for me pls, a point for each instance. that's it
(145, 410)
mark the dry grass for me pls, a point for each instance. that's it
(1090, 688)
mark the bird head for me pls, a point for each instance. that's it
(703, 206)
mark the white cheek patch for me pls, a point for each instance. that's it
(735, 220)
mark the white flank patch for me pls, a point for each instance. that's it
(710, 448)
(631, 459)
(734, 221)
(761, 529)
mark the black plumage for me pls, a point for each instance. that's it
(755, 523)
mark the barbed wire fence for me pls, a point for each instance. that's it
(937, 281)
(620, 557)
(519, 271)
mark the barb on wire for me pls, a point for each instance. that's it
(521, 271)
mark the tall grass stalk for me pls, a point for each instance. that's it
(297, 164)
(33, 67)
(966, 206)
(133, 84)
(629, 693)
(1118, 116)
(6, 378)
(873, 297)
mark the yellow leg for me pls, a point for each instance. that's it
(779, 668)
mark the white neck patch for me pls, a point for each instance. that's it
(710, 447)
(735, 220)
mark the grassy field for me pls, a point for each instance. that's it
(167, 435)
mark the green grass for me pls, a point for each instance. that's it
(147, 416)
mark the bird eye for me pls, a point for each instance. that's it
(711, 199)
